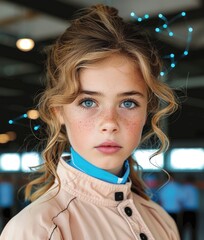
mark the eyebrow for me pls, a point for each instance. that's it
(123, 94)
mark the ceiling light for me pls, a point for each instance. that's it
(11, 135)
(33, 114)
(25, 44)
(4, 138)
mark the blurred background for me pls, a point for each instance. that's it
(177, 29)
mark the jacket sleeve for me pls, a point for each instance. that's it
(168, 223)
(23, 230)
(38, 222)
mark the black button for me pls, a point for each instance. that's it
(143, 236)
(128, 211)
(118, 196)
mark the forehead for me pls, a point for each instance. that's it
(117, 71)
(114, 60)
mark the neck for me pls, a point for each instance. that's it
(83, 165)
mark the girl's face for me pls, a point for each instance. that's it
(104, 123)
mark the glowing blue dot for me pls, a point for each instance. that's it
(171, 34)
(190, 29)
(25, 115)
(146, 16)
(36, 127)
(185, 53)
(172, 55)
(10, 121)
(165, 25)
(160, 15)
(157, 30)
(173, 65)
(183, 14)
(161, 73)
(132, 14)
(139, 19)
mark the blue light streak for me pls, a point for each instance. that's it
(164, 28)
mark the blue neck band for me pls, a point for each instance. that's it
(81, 164)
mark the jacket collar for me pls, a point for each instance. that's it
(94, 190)
(90, 189)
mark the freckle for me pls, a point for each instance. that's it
(88, 124)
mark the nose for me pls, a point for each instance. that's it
(109, 123)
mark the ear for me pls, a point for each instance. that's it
(58, 111)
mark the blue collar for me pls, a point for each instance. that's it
(81, 164)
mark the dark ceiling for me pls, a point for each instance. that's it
(22, 74)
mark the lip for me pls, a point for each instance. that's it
(108, 147)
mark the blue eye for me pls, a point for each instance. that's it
(128, 104)
(88, 103)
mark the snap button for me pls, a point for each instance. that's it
(143, 236)
(118, 196)
(128, 211)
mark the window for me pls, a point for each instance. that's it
(10, 162)
(187, 158)
(143, 159)
(29, 160)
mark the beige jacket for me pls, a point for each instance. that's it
(90, 209)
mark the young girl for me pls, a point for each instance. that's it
(102, 89)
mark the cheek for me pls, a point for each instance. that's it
(80, 127)
(135, 120)
(134, 126)
(85, 126)
(133, 134)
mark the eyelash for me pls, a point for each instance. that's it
(84, 100)
(132, 101)
(94, 101)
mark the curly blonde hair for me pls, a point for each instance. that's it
(94, 35)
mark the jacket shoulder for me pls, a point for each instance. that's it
(36, 221)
